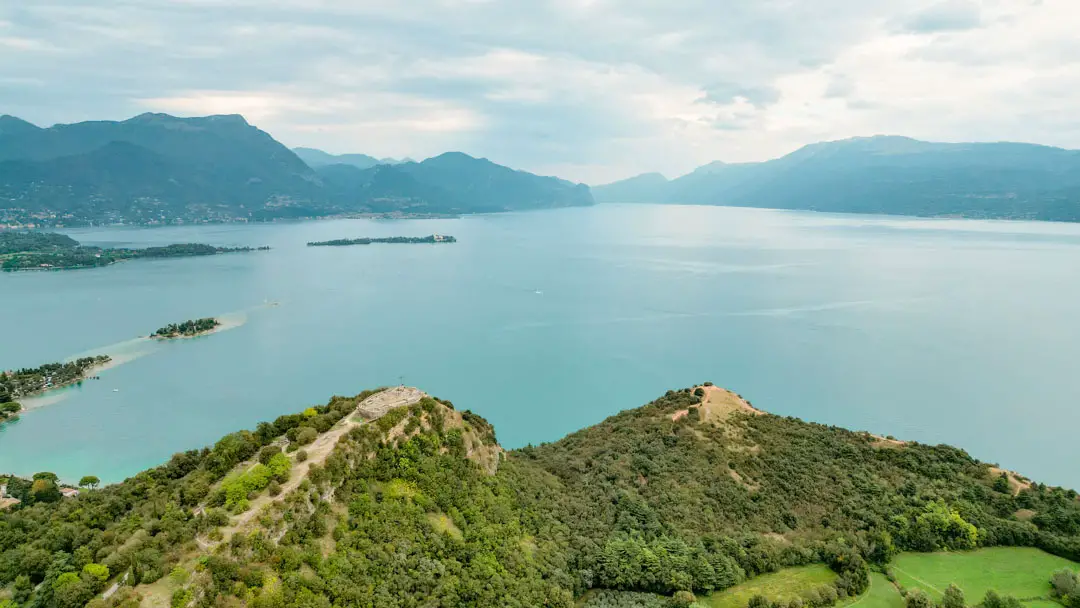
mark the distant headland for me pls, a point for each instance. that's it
(53, 251)
(433, 238)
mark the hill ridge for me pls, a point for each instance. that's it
(405, 499)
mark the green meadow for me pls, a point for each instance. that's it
(1017, 571)
(784, 585)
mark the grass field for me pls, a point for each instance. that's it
(783, 585)
(1021, 572)
(882, 594)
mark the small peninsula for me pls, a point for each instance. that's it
(52, 251)
(16, 384)
(187, 329)
(409, 240)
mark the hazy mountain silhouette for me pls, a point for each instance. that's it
(885, 174)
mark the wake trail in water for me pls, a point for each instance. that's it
(654, 316)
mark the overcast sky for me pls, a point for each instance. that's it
(591, 90)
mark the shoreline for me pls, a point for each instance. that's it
(90, 374)
(233, 221)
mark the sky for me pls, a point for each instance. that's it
(589, 90)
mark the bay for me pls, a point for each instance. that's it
(942, 331)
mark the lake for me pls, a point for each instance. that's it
(955, 331)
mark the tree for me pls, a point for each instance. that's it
(97, 572)
(917, 598)
(1001, 484)
(89, 481)
(683, 599)
(46, 475)
(994, 600)
(953, 598)
(22, 589)
(45, 490)
(1065, 583)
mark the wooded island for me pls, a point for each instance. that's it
(411, 240)
(187, 329)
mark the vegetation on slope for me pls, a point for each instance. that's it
(689, 494)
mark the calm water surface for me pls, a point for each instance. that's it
(963, 332)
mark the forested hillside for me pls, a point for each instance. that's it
(412, 503)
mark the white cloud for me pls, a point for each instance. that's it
(588, 89)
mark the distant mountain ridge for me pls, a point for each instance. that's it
(886, 175)
(458, 181)
(157, 168)
(316, 158)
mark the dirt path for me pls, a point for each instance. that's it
(318, 451)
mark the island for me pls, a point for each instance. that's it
(409, 240)
(16, 384)
(52, 251)
(187, 329)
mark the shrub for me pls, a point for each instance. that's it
(301, 456)
(953, 598)
(306, 435)
(268, 452)
(917, 598)
(1065, 583)
(180, 598)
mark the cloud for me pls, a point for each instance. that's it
(727, 92)
(592, 90)
(943, 17)
(840, 86)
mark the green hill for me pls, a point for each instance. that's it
(394, 498)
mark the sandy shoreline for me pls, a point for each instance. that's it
(39, 399)
(119, 354)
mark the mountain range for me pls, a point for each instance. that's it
(156, 168)
(882, 174)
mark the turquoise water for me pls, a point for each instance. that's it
(953, 331)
